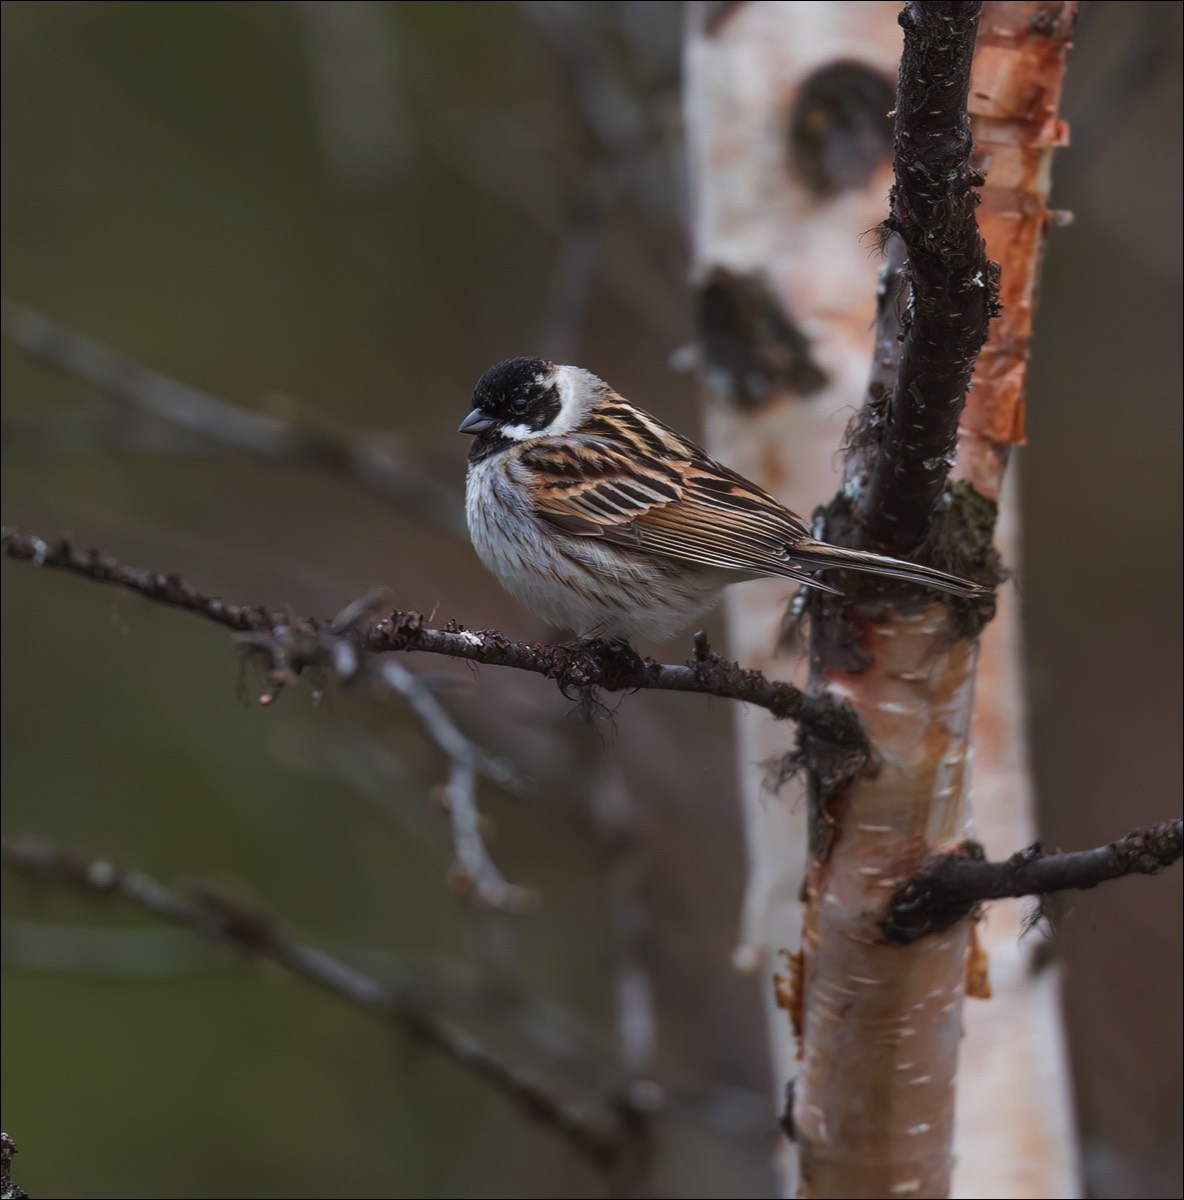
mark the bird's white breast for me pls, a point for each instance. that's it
(577, 583)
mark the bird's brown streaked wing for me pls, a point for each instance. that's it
(692, 509)
(722, 520)
(595, 491)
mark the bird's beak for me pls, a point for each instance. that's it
(475, 422)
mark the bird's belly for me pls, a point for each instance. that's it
(582, 584)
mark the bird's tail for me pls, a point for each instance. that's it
(821, 554)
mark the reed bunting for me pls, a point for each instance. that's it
(602, 520)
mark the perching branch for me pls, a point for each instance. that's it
(604, 1138)
(358, 455)
(953, 286)
(948, 887)
(580, 666)
(591, 666)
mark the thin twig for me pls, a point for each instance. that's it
(603, 1139)
(579, 666)
(163, 587)
(460, 792)
(950, 886)
(458, 986)
(357, 455)
(289, 648)
(953, 286)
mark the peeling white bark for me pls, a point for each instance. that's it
(751, 214)
(1014, 1132)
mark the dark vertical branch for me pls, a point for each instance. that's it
(953, 286)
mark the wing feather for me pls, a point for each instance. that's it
(631, 481)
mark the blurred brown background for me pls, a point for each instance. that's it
(345, 211)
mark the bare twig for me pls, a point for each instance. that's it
(577, 666)
(358, 455)
(291, 647)
(953, 286)
(460, 792)
(446, 985)
(603, 1139)
(949, 886)
(164, 588)
(68, 431)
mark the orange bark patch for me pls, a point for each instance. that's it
(787, 990)
(978, 975)
(1015, 91)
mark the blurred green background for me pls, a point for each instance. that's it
(344, 211)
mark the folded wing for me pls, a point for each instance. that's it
(632, 482)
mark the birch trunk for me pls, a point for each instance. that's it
(1015, 1134)
(785, 285)
(875, 1103)
(786, 300)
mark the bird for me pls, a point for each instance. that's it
(604, 521)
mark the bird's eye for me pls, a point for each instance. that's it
(519, 405)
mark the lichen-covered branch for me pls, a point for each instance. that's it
(949, 887)
(577, 666)
(361, 456)
(604, 1137)
(952, 286)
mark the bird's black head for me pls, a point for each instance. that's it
(514, 400)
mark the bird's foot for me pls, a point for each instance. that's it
(614, 664)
